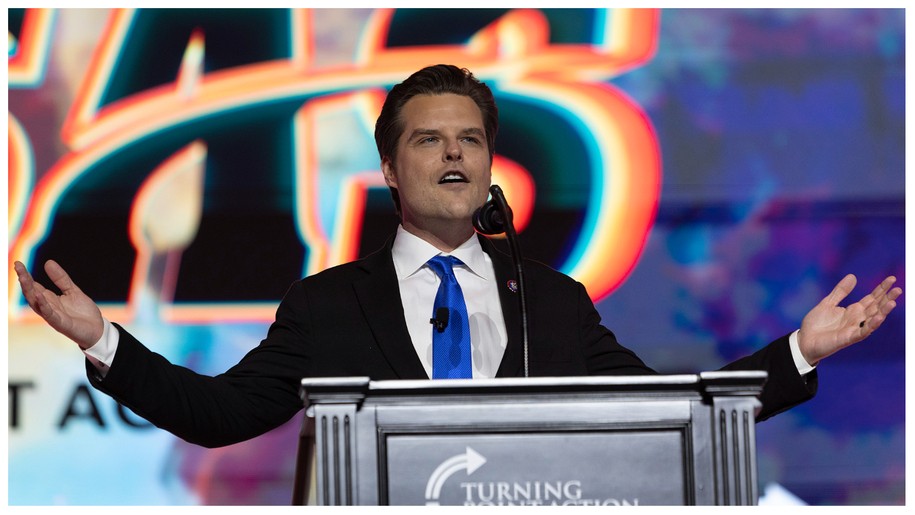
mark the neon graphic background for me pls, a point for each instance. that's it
(708, 174)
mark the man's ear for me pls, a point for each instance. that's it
(387, 168)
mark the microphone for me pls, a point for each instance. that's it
(440, 322)
(495, 217)
(488, 218)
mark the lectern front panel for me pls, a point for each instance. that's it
(567, 468)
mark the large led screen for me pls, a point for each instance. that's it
(708, 175)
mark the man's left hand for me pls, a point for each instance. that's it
(828, 327)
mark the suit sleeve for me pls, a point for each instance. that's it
(256, 395)
(785, 387)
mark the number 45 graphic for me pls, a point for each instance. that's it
(171, 132)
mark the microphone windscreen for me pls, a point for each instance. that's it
(487, 219)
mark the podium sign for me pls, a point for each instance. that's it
(632, 440)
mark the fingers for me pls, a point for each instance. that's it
(879, 304)
(872, 323)
(34, 292)
(883, 299)
(59, 277)
(881, 289)
(26, 283)
(22, 274)
(838, 294)
(888, 302)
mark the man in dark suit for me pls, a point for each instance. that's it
(435, 137)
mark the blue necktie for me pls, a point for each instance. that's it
(451, 344)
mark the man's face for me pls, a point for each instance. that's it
(442, 168)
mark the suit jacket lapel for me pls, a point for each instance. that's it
(513, 360)
(379, 296)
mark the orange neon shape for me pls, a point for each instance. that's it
(21, 168)
(26, 67)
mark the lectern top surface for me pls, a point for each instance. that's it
(738, 380)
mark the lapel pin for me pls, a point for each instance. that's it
(513, 285)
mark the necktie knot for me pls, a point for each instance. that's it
(443, 266)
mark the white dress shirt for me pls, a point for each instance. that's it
(419, 284)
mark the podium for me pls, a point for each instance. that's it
(605, 440)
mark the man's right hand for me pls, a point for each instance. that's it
(72, 313)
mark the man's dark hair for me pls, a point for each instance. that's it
(432, 80)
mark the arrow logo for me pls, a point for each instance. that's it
(471, 460)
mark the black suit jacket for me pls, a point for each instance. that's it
(349, 321)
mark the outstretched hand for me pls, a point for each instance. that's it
(72, 313)
(828, 328)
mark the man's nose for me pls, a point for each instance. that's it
(453, 152)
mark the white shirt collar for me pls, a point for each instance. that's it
(410, 253)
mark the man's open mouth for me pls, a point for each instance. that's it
(453, 177)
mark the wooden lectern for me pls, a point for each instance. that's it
(629, 440)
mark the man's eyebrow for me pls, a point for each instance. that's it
(424, 132)
(435, 132)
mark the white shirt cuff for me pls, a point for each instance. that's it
(101, 354)
(803, 367)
